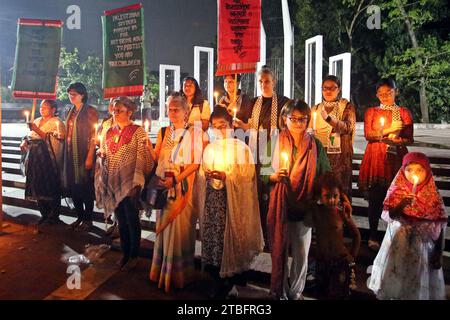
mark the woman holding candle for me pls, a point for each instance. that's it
(409, 263)
(126, 162)
(178, 150)
(231, 227)
(79, 156)
(388, 130)
(333, 124)
(264, 119)
(237, 103)
(198, 106)
(44, 147)
(101, 138)
(292, 181)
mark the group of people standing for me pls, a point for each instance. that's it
(271, 171)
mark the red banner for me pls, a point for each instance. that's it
(239, 25)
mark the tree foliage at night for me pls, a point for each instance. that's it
(412, 46)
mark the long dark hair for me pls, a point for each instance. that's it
(198, 96)
(79, 88)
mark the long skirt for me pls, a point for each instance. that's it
(42, 175)
(402, 269)
(173, 252)
(214, 226)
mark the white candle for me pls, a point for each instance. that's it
(416, 181)
(314, 120)
(27, 116)
(146, 126)
(216, 95)
(382, 121)
(212, 155)
(235, 111)
(100, 141)
(285, 157)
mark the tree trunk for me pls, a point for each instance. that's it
(423, 101)
(422, 90)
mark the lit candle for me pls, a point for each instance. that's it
(212, 156)
(235, 111)
(27, 116)
(382, 121)
(216, 95)
(100, 141)
(416, 181)
(314, 120)
(285, 157)
(146, 126)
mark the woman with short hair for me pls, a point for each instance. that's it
(126, 162)
(179, 150)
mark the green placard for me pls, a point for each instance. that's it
(123, 52)
(37, 59)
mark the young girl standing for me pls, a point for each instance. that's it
(409, 263)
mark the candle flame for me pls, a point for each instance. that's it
(146, 125)
(26, 113)
(382, 120)
(285, 157)
(415, 179)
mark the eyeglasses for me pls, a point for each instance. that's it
(298, 120)
(329, 88)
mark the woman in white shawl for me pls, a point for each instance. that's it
(231, 227)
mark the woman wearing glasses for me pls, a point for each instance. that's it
(388, 128)
(298, 159)
(333, 123)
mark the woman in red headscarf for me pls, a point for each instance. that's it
(409, 263)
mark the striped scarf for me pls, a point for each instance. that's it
(254, 120)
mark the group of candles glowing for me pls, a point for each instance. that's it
(284, 155)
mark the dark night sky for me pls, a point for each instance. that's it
(172, 27)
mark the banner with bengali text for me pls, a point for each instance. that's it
(239, 27)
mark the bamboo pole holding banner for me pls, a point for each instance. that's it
(235, 88)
